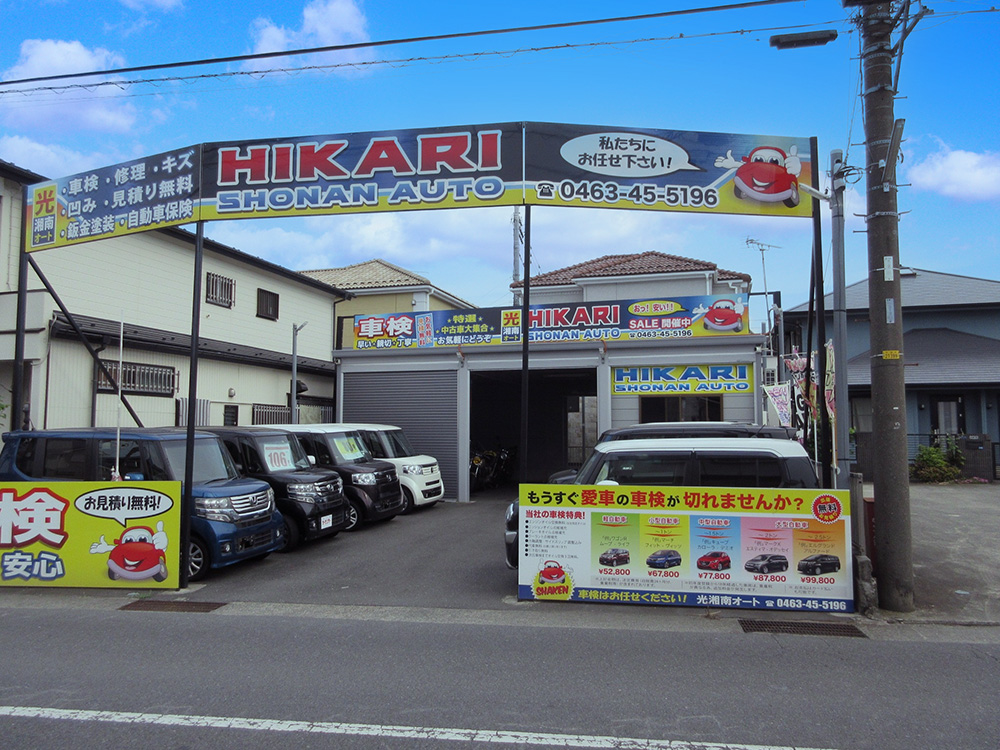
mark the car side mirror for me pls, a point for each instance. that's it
(608, 481)
(312, 460)
(135, 476)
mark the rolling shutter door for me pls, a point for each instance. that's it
(424, 404)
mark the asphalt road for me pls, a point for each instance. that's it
(407, 634)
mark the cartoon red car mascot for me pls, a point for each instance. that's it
(138, 554)
(766, 174)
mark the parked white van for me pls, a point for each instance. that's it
(419, 475)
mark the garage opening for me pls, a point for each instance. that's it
(562, 420)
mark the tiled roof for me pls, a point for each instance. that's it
(939, 356)
(372, 274)
(631, 264)
(921, 288)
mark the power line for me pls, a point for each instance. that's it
(405, 62)
(390, 42)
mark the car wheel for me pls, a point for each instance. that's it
(793, 200)
(737, 192)
(161, 574)
(353, 516)
(199, 559)
(112, 575)
(836, 569)
(408, 504)
(818, 571)
(764, 569)
(293, 536)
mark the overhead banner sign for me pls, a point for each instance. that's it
(400, 170)
(787, 549)
(666, 170)
(149, 193)
(90, 534)
(467, 166)
(629, 320)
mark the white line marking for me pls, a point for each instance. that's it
(375, 730)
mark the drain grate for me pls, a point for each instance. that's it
(154, 605)
(802, 628)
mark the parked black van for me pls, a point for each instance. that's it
(370, 485)
(311, 499)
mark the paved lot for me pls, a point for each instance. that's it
(447, 562)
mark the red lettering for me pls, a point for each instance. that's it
(582, 317)
(450, 150)
(560, 317)
(606, 314)
(383, 154)
(489, 149)
(536, 318)
(317, 160)
(281, 166)
(253, 165)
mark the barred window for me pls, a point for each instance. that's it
(139, 379)
(220, 290)
(267, 304)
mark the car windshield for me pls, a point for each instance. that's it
(759, 558)
(397, 444)
(639, 467)
(348, 447)
(211, 461)
(282, 453)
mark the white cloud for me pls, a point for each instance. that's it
(101, 109)
(47, 160)
(964, 175)
(325, 23)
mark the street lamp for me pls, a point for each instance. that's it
(804, 39)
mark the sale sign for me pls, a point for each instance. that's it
(748, 548)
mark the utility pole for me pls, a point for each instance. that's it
(893, 539)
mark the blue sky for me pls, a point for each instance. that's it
(702, 72)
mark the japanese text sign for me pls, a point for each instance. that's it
(90, 534)
(629, 320)
(745, 548)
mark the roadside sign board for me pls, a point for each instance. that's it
(782, 549)
(90, 534)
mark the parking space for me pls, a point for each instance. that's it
(450, 555)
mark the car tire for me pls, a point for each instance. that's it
(818, 571)
(199, 559)
(765, 570)
(793, 200)
(408, 505)
(112, 575)
(354, 516)
(293, 535)
(836, 569)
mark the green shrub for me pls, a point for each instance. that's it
(932, 465)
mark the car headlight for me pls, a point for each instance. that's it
(413, 469)
(306, 493)
(215, 509)
(367, 477)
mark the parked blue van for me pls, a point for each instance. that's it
(234, 518)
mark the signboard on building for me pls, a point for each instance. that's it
(787, 549)
(620, 320)
(90, 534)
(682, 379)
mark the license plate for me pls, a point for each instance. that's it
(325, 522)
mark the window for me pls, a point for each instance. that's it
(220, 290)
(680, 409)
(267, 304)
(65, 458)
(138, 379)
(230, 415)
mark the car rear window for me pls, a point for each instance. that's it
(643, 468)
(65, 458)
(728, 470)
